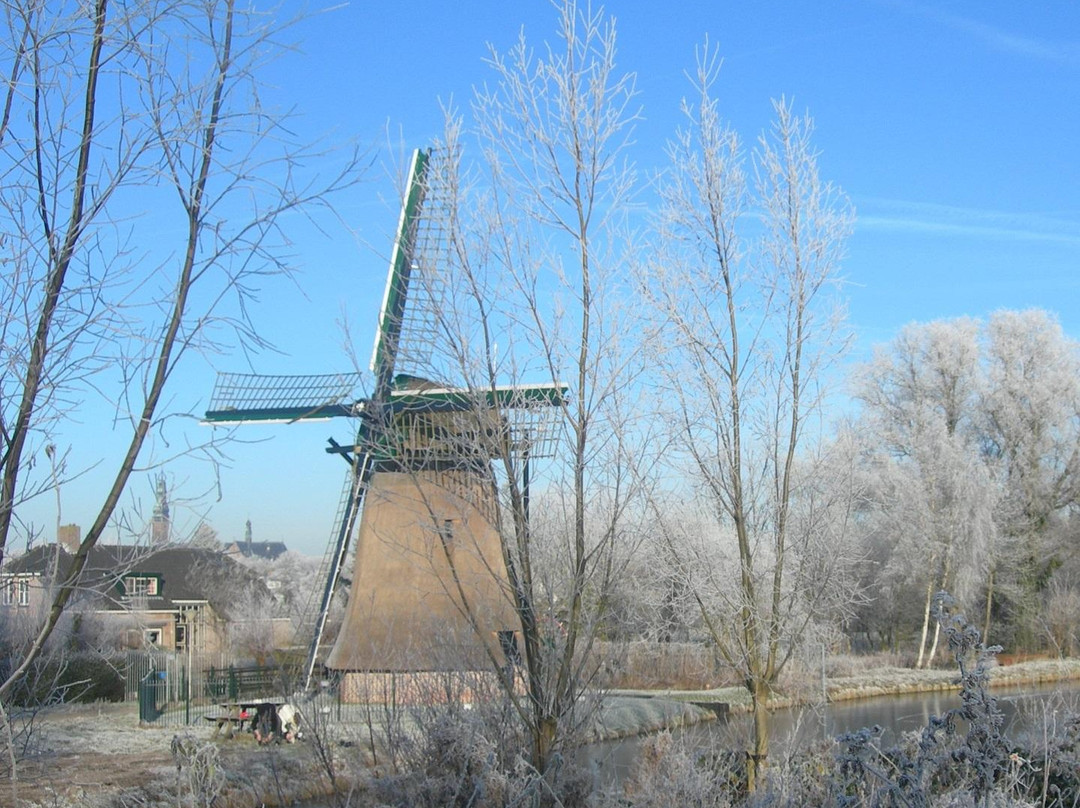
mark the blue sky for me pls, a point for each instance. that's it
(953, 127)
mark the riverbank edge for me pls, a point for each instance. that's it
(631, 713)
(907, 681)
(626, 714)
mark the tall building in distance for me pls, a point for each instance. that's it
(159, 524)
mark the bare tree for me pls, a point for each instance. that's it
(1058, 617)
(536, 295)
(746, 339)
(111, 111)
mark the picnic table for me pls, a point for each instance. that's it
(236, 716)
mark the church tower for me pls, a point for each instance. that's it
(159, 524)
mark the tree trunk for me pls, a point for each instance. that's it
(945, 585)
(925, 623)
(758, 754)
(989, 606)
(546, 731)
(59, 261)
(934, 645)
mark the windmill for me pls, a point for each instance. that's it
(419, 492)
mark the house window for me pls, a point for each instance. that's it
(15, 590)
(153, 636)
(181, 636)
(141, 585)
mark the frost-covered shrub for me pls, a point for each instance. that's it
(670, 774)
(457, 757)
(959, 756)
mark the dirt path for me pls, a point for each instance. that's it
(70, 779)
(76, 752)
(98, 756)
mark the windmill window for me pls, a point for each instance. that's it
(446, 534)
(509, 645)
(141, 585)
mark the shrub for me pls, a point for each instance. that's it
(944, 761)
(78, 678)
(670, 774)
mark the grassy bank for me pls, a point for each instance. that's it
(636, 712)
(899, 681)
(624, 716)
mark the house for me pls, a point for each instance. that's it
(175, 598)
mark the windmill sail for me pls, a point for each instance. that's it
(247, 397)
(334, 562)
(312, 624)
(408, 319)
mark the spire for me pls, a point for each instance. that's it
(247, 535)
(159, 526)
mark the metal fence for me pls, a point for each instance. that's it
(179, 689)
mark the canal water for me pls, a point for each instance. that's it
(1025, 710)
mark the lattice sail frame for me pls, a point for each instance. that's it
(487, 422)
(247, 397)
(494, 421)
(409, 330)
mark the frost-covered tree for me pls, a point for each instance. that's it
(973, 432)
(1030, 411)
(935, 505)
(144, 187)
(533, 198)
(746, 335)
